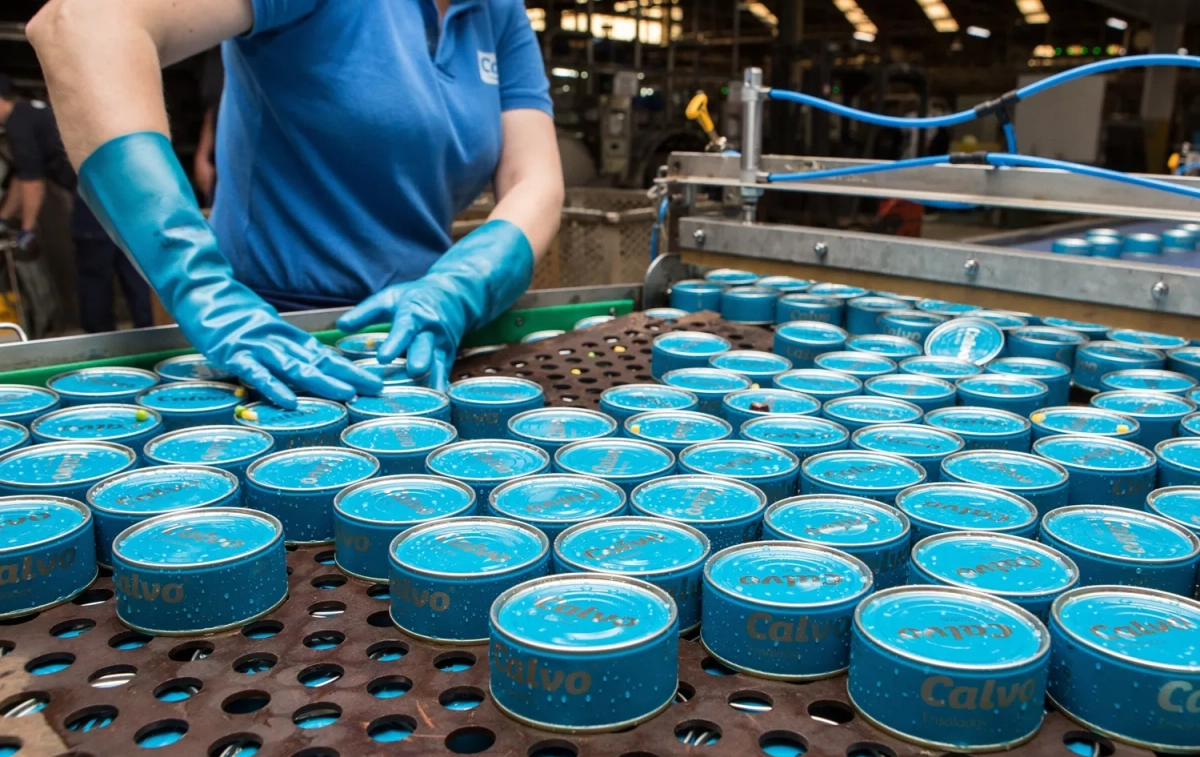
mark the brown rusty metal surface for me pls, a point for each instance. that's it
(349, 618)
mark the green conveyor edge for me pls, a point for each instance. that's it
(506, 329)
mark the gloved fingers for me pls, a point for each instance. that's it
(254, 375)
(399, 339)
(375, 309)
(439, 374)
(338, 367)
(421, 354)
(302, 375)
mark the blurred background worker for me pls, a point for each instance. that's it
(38, 156)
(350, 136)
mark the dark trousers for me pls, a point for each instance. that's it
(96, 259)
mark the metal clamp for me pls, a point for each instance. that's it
(16, 329)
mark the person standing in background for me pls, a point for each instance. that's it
(204, 167)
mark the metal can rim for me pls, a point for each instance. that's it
(584, 411)
(1191, 405)
(715, 338)
(165, 469)
(443, 403)
(418, 529)
(33, 499)
(1059, 468)
(1154, 354)
(387, 419)
(149, 447)
(342, 415)
(774, 418)
(929, 456)
(857, 355)
(474, 380)
(1188, 536)
(815, 300)
(442, 480)
(759, 354)
(1060, 369)
(1147, 372)
(572, 446)
(139, 399)
(728, 480)
(1029, 333)
(871, 398)
(855, 562)
(995, 491)
(469, 443)
(838, 333)
(942, 745)
(131, 459)
(948, 389)
(271, 520)
(636, 520)
(1095, 439)
(21, 430)
(1072, 568)
(194, 357)
(694, 414)
(1002, 378)
(308, 450)
(114, 369)
(616, 391)
(53, 414)
(745, 444)
(697, 285)
(1153, 497)
(907, 463)
(1025, 423)
(691, 371)
(959, 322)
(577, 477)
(905, 533)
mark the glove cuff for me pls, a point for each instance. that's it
(495, 264)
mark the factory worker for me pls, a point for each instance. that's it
(351, 133)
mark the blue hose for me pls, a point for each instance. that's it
(1010, 137)
(658, 224)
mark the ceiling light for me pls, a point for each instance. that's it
(564, 73)
(864, 29)
(937, 10)
(979, 31)
(1030, 6)
(945, 25)
(1043, 51)
(1037, 18)
(864, 36)
(1119, 24)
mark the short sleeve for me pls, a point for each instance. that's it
(27, 151)
(523, 81)
(273, 14)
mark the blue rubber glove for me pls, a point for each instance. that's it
(470, 286)
(138, 191)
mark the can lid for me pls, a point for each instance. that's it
(731, 276)
(752, 362)
(972, 339)
(487, 460)
(557, 498)
(739, 459)
(840, 291)
(1008, 470)
(977, 422)
(108, 422)
(944, 307)
(996, 385)
(394, 373)
(1147, 339)
(615, 458)
(648, 397)
(1142, 402)
(1191, 422)
(705, 380)
(312, 469)
(494, 390)
(1149, 379)
(1115, 621)
(786, 283)
(209, 445)
(928, 624)
(161, 489)
(404, 499)
(541, 336)
(864, 471)
(836, 520)
(1005, 320)
(191, 368)
(191, 396)
(362, 344)
(1106, 233)
(61, 463)
(632, 546)
(469, 547)
(795, 431)
(399, 434)
(812, 301)
(750, 292)
(102, 382)
(1032, 367)
(910, 440)
(919, 318)
(939, 367)
(1118, 352)
(677, 427)
(855, 363)
(872, 410)
(698, 285)
(197, 538)
(1122, 534)
(911, 299)
(1183, 452)
(309, 413)
(894, 347)
(903, 385)
(1048, 335)
(561, 424)
(818, 382)
(31, 520)
(400, 400)
(17, 399)
(1092, 330)
(691, 343)
(967, 507)
(702, 500)
(580, 613)
(12, 435)
(1009, 566)
(1069, 419)
(788, 574)
(592, 320)
(878, 303)
(1186, 355)
(665, 314)
(811, 332)
(1178, 503)
(767, 401)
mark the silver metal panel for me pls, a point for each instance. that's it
(1117, 283)
(1033, 188)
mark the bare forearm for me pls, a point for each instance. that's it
(12, 202)
(535, 206)
(32, 195)
(529, 183)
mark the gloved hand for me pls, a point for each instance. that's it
(138, 191)
(472, 284)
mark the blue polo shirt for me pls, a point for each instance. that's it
(352, 132)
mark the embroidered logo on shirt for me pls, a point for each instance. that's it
(489, 72)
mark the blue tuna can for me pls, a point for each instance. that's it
(298, 486)
(924, 445)
(1106, 247)
(359, 346)
(129, 498)
(802, 341)
(129, 425)
(314, 422)
(541, 336)
(809, 307)
(694, 295)
(786, 284)
(1109, 233)
(739, 407)
(749, 305)
(859, 412)
(772, 470)
(759, 367)
(1142, 245)
(48, 554)
(481, 408)
(394, 373)
(820, 384)
(553, 427)
(1007, 321)
(624, 462)
(945, 507)
(1106, 676)
(1071, 419)
(731, 277)
(191, 368)
(400, 443)
(370, 514)
(670, 315)
(844, 292)
(199, 571)
(12, 436)
(21, 404)
(946, 368)
(1119, 546)
(1178, 462)
(623, 402)
(655, 550)
(1168, 382)
(1090, 330)
(400, 400)
(1157, 413)
(802, 435)
(592, 320)
(1041, 481)
(946, 308)
(874, 475)
(1056, 376)
(1185, 360)
(708, 385)
(553, 503)
(484, 465)
(972, 340)
(860, 365)
(944, 692)
(782, 609)
(1072, 246)
(1018, 395)
(874, 533)
(445, 574)
(684, 349)
(1163, 342)
(892, 347)
(184, 404)
(925, 392)
(1094, 360)
(101, 386)
(1180, 504)
(1190, 425)
(579, 641)
(62, 469)
(1175, 241)
(1026, 573)
(725, 510)
(984, 428)
(229, 448)
(677, 429)
(910, 324)
(864, 315)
